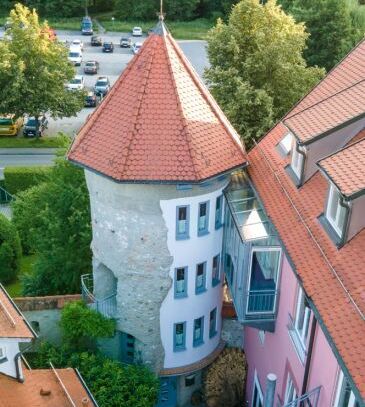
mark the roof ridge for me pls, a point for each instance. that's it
(324, 100)
(313, 238)
(323, 79)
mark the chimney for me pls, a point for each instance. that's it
(44, 392)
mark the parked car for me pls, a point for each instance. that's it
(91, 99)
(91, 67)
(137, 32)
(77, 43)
(136, 47)
(75, 55)
(96, 41)
(10, 125)
(102, 85)
(87, 26)
(125, 42)
(108, 47)
(77, 83)
(29, 129)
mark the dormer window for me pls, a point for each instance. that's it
(335, 212)
(297, 162)
(286, 143)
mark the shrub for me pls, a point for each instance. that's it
(18, 179)
(10, 251)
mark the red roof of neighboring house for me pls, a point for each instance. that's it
(12, 322)
(346, 168)
(158, 123)
(60, 388)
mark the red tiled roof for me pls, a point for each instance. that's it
(346, 168)
(158, 123)
(12, 322)
(333, 279)
(27, 394)
(328, 114)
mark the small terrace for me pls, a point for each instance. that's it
(107, 306)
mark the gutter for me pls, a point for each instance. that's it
(309, 355)
(19, 377)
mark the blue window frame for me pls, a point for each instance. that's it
(218, 212)
(213, 323)
(216, 270)
(181, 282)
(198, 334)
(182, 222)
(200, 279)
(203, 218)
(179, 336)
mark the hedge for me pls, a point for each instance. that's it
(10, 251)
(18, 179)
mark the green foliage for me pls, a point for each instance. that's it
(18, 179)
(111, 383)
(257, 69)
(81, 326)
(40, 142)
(10, 251)
(34, 69)
(334, 26)
(55, 220)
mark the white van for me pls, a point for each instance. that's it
(75, 55)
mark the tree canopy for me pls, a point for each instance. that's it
(257, 67)
(34, 69)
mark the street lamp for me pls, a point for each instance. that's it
(113, 22)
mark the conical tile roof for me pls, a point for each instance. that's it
(159, 123)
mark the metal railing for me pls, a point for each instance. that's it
(261, 301)
(107, 306)
(5, 197)
(309, 399)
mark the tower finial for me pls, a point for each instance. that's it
(161, 16)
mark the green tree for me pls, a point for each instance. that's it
(257, 69)
(81, 326)
(60, 233)
(10, 251)
(34, 69)
(333, 29)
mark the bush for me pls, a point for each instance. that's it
(81, 326)
(18, 179)
(10, 251)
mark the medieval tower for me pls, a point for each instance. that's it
(157, 154)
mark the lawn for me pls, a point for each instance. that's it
(21, 142)
(26, 267)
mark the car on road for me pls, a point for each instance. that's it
(77, 43)
(75, 55)
(91, 99)
(91, 67)
(77, 83)
(108, 47)
(96, 41)
(136, 47)
(87, 26)
(125, 42)
(10, 125)
(137, 32)
(29, 129)
(102, 85)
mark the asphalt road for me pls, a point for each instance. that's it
(111, 65)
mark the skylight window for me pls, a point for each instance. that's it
(286, 143)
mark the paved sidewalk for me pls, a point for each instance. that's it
(28, 151)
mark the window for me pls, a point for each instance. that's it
(218, 211)
(3, 357)
(290, 391)
(203, 218)
(296, 162)
(263, 282)
(261, 336)
(198, 331)
(182, 222)
(215, 270)
(257, 396)
(229, 269)
(300, 326)
(190, 380)
(200, 278)
(344, 395)
(179, 336)
(286, 143)
(213, 323)
(181, 280)
(127, 347)
(335, 213)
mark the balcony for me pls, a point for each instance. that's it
(309, 399)
(261, 302)
(107, 306)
